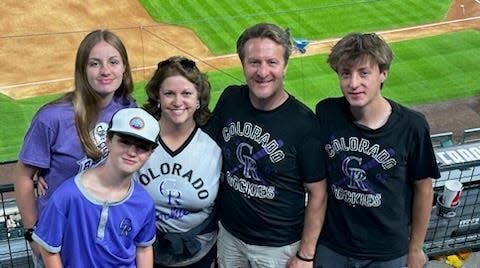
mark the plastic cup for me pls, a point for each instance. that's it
(451, 193)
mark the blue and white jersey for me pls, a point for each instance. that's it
(89, 232)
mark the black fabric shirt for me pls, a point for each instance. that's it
(267, 156)
(370, 175)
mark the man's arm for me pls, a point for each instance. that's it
(314, 216)
(145, 257)
(422, 207)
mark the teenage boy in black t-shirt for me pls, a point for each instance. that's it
(379, 165)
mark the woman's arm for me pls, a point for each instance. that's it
(25, 196)
(25, 193)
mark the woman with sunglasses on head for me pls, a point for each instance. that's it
(183, 173)
(68, 135)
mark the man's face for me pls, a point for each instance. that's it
(264, 68)
(361, 82)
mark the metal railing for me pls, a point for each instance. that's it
(461, 229)
(443, 139)
(470, 135)
(444, 235)
(14, 250)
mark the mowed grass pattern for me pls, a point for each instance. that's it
(424, 70)
(220, 22)
(436, 68)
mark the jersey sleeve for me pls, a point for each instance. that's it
(212, 128)
(311, 166)
(36, 148)
(146, 236)
(422, 158)
(48, 237)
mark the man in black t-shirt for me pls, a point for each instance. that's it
(269, 143)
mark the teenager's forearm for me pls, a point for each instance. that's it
(51, 260)
(422, 207)
(25, 194)
(144, 257)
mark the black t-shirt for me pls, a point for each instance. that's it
(370, 175)
(267, 156)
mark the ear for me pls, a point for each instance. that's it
(285, 70)
(384, 75)
(108, 141)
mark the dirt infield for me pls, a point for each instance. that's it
(39, 41)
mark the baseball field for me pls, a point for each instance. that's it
(436, 46)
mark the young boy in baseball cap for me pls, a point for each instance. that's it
(101, 217)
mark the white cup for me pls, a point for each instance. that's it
(451, 193)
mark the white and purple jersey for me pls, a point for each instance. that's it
(184, 185)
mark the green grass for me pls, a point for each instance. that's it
(15, 123)
(437, 68)
(425, 70)
(219, 22)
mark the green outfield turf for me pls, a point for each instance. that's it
(424, 70)
(220, 22)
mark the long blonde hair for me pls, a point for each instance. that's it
(85, 101)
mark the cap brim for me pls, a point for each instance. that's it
(138, 137)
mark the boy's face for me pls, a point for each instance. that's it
(127, 153)
(361, 82)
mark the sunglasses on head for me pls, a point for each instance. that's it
(185, 63)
